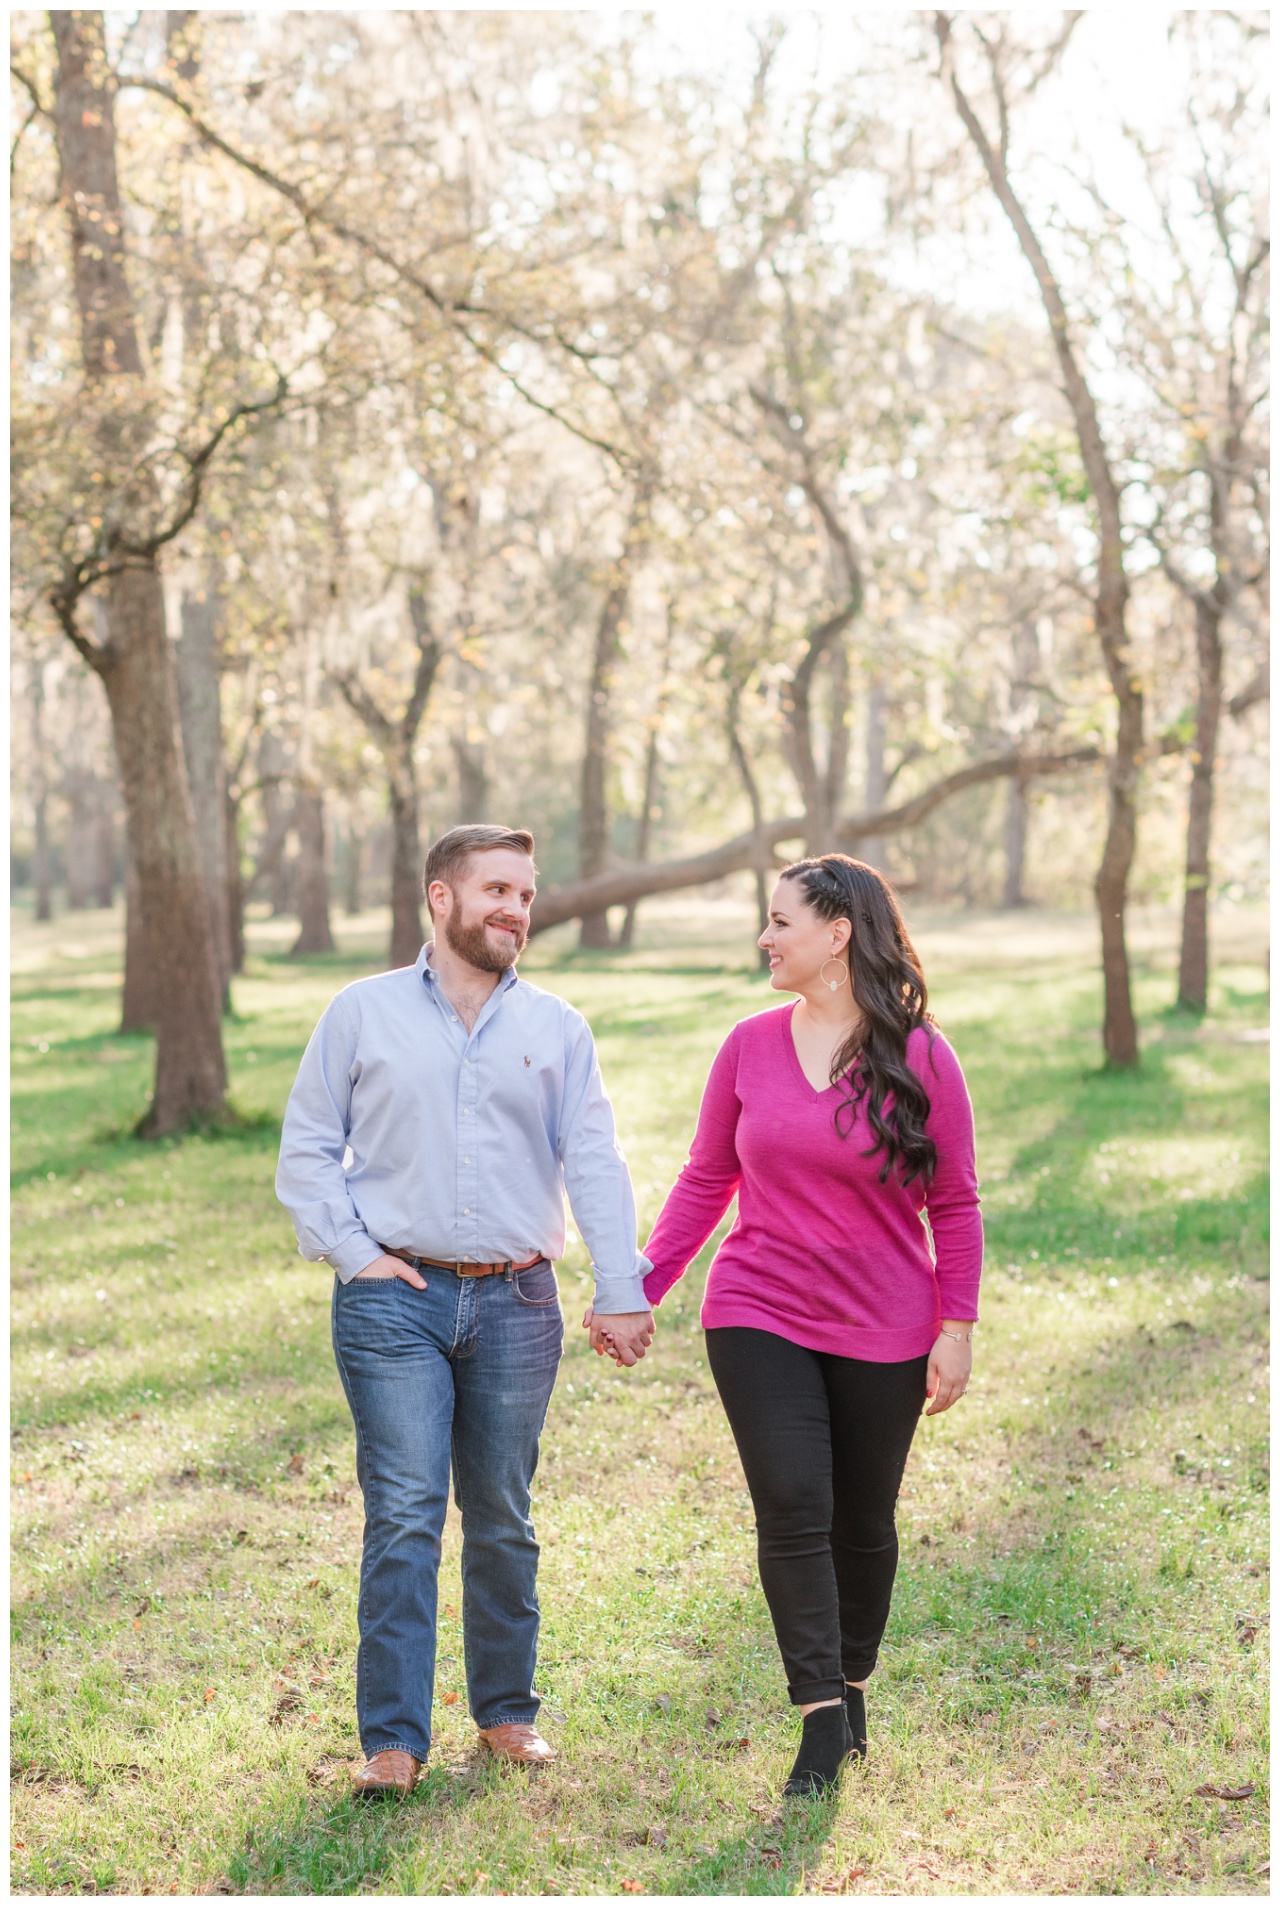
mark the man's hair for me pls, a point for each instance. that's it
(451, 855)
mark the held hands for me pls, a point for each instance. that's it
(949, 1366)
(623, 1335)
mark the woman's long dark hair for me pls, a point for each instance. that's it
(889, 990)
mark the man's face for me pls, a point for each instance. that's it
(484, 914)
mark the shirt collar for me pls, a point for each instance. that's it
(428, 972)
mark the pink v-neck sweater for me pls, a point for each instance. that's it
(820, 1251)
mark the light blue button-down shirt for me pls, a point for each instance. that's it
(405, 1129)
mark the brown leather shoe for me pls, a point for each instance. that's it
(519, 1741)
(391, 1771)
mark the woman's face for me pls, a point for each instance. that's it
(799, 941)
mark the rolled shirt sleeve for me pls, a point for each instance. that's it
(311, 1179)
(596, 1177)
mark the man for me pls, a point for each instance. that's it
(439, 1114)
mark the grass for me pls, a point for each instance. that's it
(1077, 1639)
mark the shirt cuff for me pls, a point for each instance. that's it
(351, 1256)
(615, 1295)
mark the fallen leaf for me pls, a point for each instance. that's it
(448, 1700)
(663, 1701)
(288, 1698)
(1211, 1792)
(713, 1718)
(738, 1746)
(1159, 1672)
(295, 1464)
(632, 1886)
(314, 1582)
(144, 1606)
(211, 1694)
(948, 1813)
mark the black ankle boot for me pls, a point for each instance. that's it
(825, 1745)
(855, 1708)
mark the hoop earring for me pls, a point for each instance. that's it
(834, 984)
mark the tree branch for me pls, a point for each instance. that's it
(623, 884)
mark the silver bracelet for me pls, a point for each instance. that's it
(957, 1335)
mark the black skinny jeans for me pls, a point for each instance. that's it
(823, 1441)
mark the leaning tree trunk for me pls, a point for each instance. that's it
(200, 713)
(315, 936)
(406, 871)
(1193, 967)
(184, 999)
(134, 661)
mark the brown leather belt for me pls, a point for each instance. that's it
(461, 1270)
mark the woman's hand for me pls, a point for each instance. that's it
(949, 1366)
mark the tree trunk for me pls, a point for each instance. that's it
(396, 741)
(873, 850)
(760, 846)
(593, 816)
(104, 847)
(184, 998)
(593, 806)
(235, 878)
(1015, 843)
(80, 789)
(473, 779)
(41, 869)
(313, 879)
(1193, 967)
(406, 870)
(200, 713)
(134, 662)
(276, 815)
(1110, 590)
(1119, 1027)
(619, 886)
(353, 855)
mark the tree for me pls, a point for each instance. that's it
(1110, 581)
(132, 656)
(395, 737)
(1198, 336)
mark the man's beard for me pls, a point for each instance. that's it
(469, 943)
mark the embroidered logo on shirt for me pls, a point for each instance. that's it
(526, 1059)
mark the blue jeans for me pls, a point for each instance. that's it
(461, 1371)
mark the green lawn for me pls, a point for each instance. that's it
(1077, 1647)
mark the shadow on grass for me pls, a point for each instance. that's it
(337, 1845)
(1042, 1568)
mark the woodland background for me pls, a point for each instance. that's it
(817, 434)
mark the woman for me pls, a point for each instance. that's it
(840, 1120)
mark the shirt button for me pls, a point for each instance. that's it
(466, 1161)
(466, 1210)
